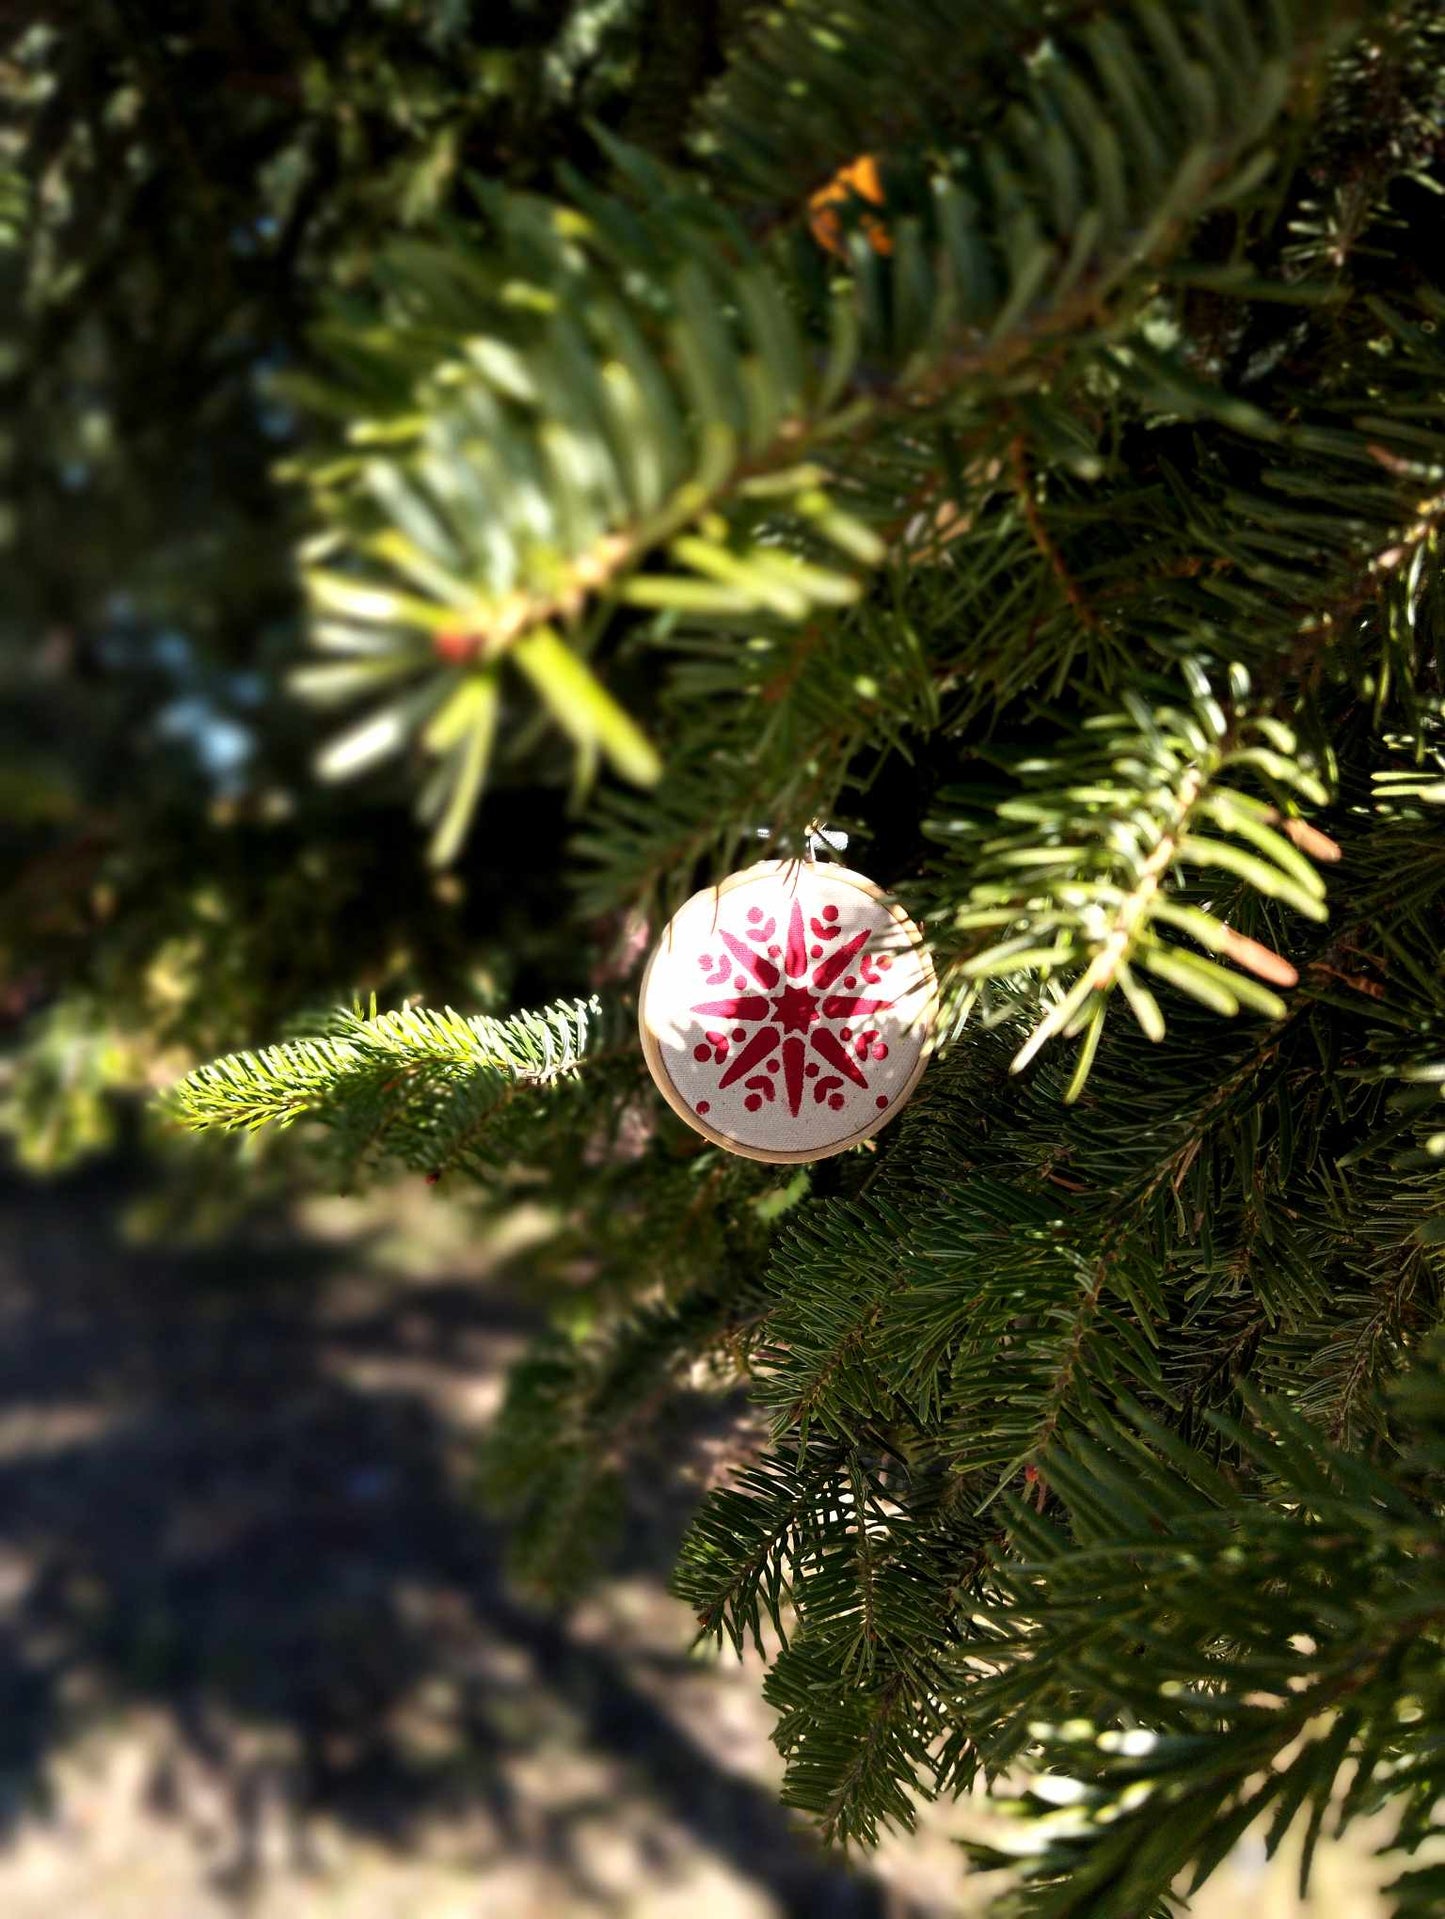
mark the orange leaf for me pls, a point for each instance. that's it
(859, 180)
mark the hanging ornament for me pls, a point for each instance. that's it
(786, 1012)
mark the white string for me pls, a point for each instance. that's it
(818, 838)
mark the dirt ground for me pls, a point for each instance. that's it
(256, 1650)
(257, 1656)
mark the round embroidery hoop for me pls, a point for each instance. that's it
(730, 992)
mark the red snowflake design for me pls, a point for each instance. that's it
(794, 997)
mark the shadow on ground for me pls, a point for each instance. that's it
(233, 1495)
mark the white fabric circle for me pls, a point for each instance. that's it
(786, 1013)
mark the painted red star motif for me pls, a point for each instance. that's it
(810, 1023)
(797, 1015)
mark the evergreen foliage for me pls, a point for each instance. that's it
(427, 1087)
(1272, 1681)
(1055, 503)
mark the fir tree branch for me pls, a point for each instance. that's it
(427, 1086)
(1024, 489)
(577, 400)
(1074, 885)
(1271, 1640)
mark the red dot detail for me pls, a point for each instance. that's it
(830, 912)
(701, 1053)
(836, 1102)
(851, 981)
(882, 1101)
(816, 951)
(845, 1032)
(739, 984)
(880, 1051)
(773, 1065)
(811, 1070)
(753, 1102)
(773, 951)
(755, 913)
(703, 1106)
(740, 1032)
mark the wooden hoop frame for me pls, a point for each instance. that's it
(927, 1017)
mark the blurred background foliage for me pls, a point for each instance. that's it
(183, 189)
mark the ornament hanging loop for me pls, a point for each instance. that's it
(819, 836)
